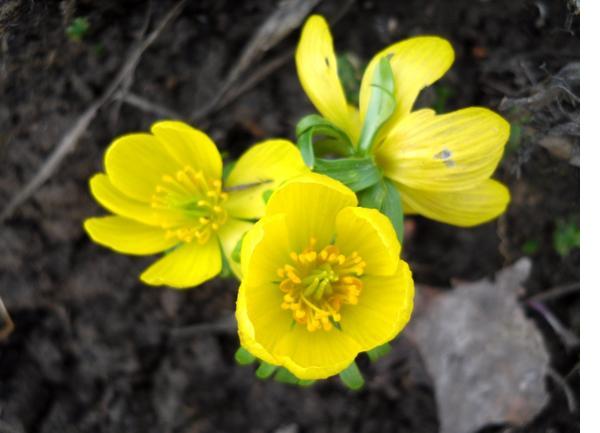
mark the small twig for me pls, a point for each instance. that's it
(225, 325)
(287, 17)
(261, 73)
(69, 140)
(500, 88)
(146, 105)
(128, 80)
(555, 292)
(557, 87)
(9, 325)
(83, 90)
(527, 72)
(569, 340)
(569, 394)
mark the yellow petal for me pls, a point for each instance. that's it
(127, 236)
(317, 70)
(189, 146)
(407, 210)
(384, 307)
(315, 355)
(267, 322)
(251, 239)
(265, 249)
(266, 166)
(449, 152)
(416, 62)
(266, 331)
(246, 330)
(371, 234)
(355, 124)
(229, 236)
(117, 202)
(187, 266)
(311, 204)
(135, 164)
(466, 208)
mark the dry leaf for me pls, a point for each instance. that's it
(487, 360)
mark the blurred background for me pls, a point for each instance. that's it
(493, 345)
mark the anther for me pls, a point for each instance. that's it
(319, 283)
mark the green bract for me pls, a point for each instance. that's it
(335, 156)
(381, 105)
(352, 378)
(357, 173)
(384, 197)
(313, 125)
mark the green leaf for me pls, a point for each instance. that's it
(384, 196)
(99, 49)
(307, 151)
(566, 236)
(381, 105)
(267, 195)
(442, 93)
(356, 173)
(236, 253)
(379, 352)
(283, 375)
(243, 357)
(227, 167)
(350, 76)
(352, 378)
(392, 207)
(373, 196)
(312, 125)
(514, 140)
(78, 28)
(265, 370)
(226, 271)
(530, 247)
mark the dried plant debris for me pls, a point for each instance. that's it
(487, 360)
(549, 114)
(6, 324)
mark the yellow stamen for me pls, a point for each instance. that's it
(196, 202)
(318, 283)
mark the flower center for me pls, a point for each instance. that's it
(317, 283)
(197, 202)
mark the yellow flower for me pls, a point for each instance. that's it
(323, 280)
(441, 164)
(167, 194)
